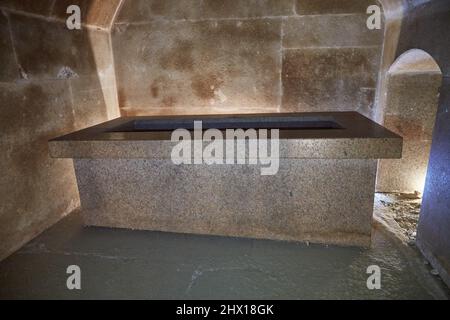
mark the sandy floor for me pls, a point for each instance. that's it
(126, 264)
(400, 213)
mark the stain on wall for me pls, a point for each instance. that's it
(215, 56)
(197, 66)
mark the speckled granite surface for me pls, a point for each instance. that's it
(323, 191)
(325, 201)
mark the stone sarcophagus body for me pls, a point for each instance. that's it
(320, 188)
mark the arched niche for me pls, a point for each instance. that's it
(412, 97)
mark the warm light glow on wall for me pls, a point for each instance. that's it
(418, 181)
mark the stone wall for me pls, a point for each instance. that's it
(245, 56)
(52, 81)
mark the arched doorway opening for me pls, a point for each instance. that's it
(412, 97)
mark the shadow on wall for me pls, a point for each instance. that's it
(413, 83)
(54, 81)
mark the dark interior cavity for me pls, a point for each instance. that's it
(303, 123)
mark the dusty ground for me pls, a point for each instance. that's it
(400, 213)
(126, 264)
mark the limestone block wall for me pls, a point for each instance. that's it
(212, 56)
(52, 81)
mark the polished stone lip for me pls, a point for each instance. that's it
(352, 125)
(356, 137)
